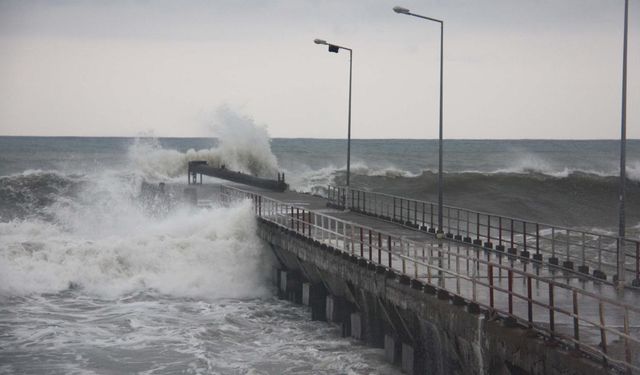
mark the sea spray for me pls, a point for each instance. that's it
(92, 232)
(242, 145)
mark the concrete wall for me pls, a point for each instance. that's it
(422, 331)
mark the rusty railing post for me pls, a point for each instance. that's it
(390, 250)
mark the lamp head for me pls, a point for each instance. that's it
(319, 41)
(400, 10)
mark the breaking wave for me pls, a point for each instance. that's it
(27, 194)
(97, 232)
(210, 254)
(242, 146)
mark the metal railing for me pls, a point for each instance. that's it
(582, 320)
(586, 252)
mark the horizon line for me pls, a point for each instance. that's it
(328, 139)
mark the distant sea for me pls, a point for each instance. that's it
(92, 282)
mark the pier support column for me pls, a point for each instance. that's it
(356, 325)
(392, 349)
(275, 277)
(282, 283)
(290, 286)
(372, 320)
(315, 296)
(306, 291)
(338, 310)
(331, 308)
(407, 359)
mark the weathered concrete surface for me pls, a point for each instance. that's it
(438, 337)
(356, 326)
(407, 358)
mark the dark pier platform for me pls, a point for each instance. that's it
(201, 168)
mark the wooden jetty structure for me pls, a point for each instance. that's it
(493, 295)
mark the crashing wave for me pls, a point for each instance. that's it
(243, 146)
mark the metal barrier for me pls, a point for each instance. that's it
(586, 252)
(582, 320)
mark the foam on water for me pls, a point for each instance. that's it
(314, 180)
(528, 163)
(103, 238)
(209, 253)
(145, 333)
(633, 170)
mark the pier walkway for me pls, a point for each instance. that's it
(526, 274)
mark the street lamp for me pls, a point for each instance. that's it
(335, 48)
(623, 141)
(401, 10)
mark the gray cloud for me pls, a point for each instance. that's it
(513, 69)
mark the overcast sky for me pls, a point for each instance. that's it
(513, 68)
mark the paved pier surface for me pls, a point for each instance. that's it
(498, 281)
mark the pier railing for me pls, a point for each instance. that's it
(590, 253)
(585, 321)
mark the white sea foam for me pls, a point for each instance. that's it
(72, 334)
(309, 180)
(530, 163)
(361, 168)
(207, 253)
(633, 170)
(104, 240)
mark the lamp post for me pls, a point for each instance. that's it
(623, 142)
(401, 10)
(335, 48)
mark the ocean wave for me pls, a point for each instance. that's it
(209, 253)
(533, 164)
(578, 200)
(632, 173)
(315, 180)
(93, 232)
(577, 182)
(389, 171)
(633, 170)
(28, 193)
(311, 180)
(243, 146)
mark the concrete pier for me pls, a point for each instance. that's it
(418, 331)
(445, 305)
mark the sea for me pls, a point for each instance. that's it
(94, 282)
